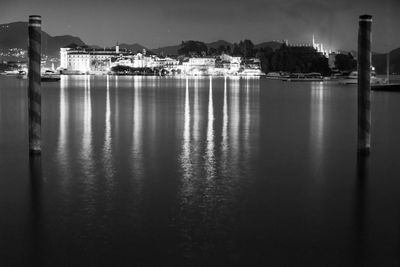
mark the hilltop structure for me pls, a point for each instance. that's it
(319, 47)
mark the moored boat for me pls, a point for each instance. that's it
(11, 72)
(50, 76)
(352, 78)
(273, 76)
(304, 77)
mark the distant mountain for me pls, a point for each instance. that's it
(272, 44)
(15, 35)
(379, 62)
(133, 47)
(54, 44)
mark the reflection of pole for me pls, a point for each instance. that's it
(364, 84)
(34, 94)
(360, 209)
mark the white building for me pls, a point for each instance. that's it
(82, 60)
(85, 60)
(198, 66)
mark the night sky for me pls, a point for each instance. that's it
(155, 23)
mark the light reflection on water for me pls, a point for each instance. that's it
(209, 157)
(62, 148)
(234, 124)
(137, 133)
(186, 156)
(107, 149)
(225, 118)
(187, 168)
(86, 153)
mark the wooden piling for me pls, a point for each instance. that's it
(364, 84)
(34, 92)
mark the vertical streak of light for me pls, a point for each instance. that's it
(107, 151)
(116, 108)
(186, 149)
(186, 134)
(224, 143)
(87, 125)
(63, 125)
(210, 135)
(317, 127)
(234, 120)
(246, 136)
(87, 152)
(196, 116)
(188, 184)
(137, 128)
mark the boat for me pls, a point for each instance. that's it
(273, 76)
(50, 76)
(11, 72)
(22, 74)
(251, 72)
(352, 78)
(304, 77)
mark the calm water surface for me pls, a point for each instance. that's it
(168, 171)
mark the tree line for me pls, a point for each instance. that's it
(286, 58)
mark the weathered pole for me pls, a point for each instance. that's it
(364, 84)
(34, 93)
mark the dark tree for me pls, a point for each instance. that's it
(212, 51)
(192, 48)
(236, 50)
(247, 48)
(221, 49)
(345, 62)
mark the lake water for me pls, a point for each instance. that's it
(169, 171)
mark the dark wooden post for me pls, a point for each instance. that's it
(34, 93)
(364, 85)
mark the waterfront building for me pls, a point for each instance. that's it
(79, 60)
(74, 59)
(198, 66)
(87, 60)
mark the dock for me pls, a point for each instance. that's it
(391, 87)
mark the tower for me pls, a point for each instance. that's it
(313, 41)
(117, 48)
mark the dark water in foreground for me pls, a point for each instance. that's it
(160, 171)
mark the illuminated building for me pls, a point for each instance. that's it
(319, 47)
(86, 60)
(83, 60)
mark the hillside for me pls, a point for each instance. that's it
(133, 47)
(167, 50)
(173, 49)
(219, 43)
(15, 35)
(272, 44)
